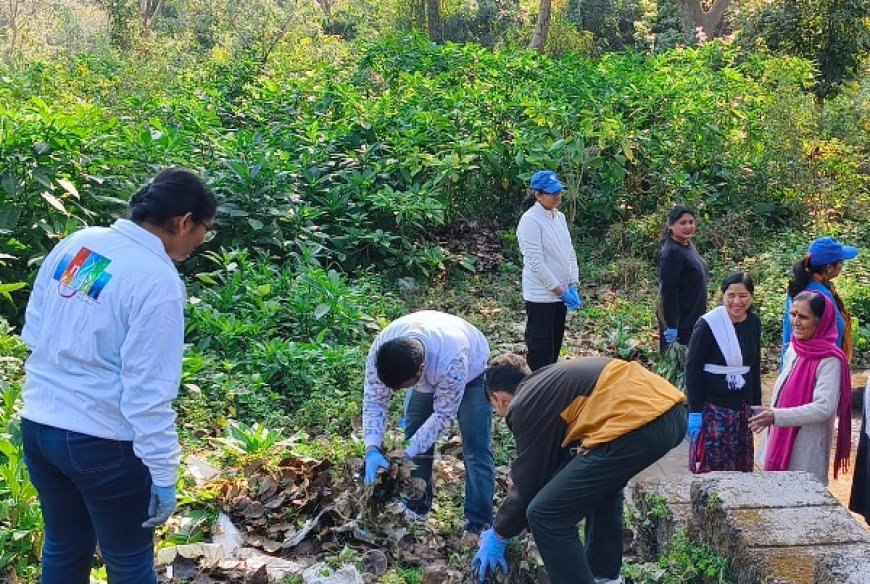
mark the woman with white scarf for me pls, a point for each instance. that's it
(723, 380)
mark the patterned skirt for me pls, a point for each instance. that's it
(725, 441)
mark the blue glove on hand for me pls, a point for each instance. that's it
(694, 426)
(491, 554)
(576, 296)
(670, 335)
(161, 506)
(374, 462)
(568, 299)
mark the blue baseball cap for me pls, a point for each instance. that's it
(827, 250)
(547, 182)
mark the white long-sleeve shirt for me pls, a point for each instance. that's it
(105, 326)
(549, 260)
(455, 353)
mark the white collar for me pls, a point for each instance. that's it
(551, 213)
(143, 237)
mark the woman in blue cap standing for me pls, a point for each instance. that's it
(550, 273)
(815, 272)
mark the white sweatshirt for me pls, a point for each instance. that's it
(105, 326)
(549, 260)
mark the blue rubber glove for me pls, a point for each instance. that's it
(374, 462)
(161, 506)
(694, 426)
(670, 335)
(568, 299)
(576, 296)
(491, 554)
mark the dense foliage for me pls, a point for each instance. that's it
(357, 160)
(342, 167)
(833, 34)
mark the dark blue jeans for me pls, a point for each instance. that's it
(475, 426)
(91, 490)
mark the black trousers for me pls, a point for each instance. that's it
(859, 499)
(545, 329)
(590, 487)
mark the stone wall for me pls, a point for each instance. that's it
(782, 527)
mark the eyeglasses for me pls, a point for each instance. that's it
(209, 231)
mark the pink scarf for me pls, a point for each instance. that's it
(798, 390)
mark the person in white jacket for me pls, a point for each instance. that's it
(105, 327)
(550, 273)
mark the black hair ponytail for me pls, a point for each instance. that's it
(172, 193)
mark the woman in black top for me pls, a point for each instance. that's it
(683, 278)
(723, 380)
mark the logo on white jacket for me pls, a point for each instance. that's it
(84, 273)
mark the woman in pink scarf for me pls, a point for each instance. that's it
(813, 387)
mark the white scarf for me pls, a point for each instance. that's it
(723, 331)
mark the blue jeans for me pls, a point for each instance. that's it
(475, 427)
(90, 490)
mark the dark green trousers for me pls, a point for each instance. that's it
(590, 487)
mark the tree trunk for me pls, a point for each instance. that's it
(148, 10)
(15, 8)
(326, 6)
(542, 26)
(708, 21)
(433, 19)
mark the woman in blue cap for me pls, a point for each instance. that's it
(550, 273)
(815, 272)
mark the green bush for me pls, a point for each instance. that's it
(684, 561)
(362, 154)
(20, 516)
(276, 344)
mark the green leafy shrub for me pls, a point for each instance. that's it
(835, 35)
(273, 345)
(684, 561)
(360, 154)
(20, 516)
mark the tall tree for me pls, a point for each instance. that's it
(148, 11)
(326, 6)
(122, 14)
(542, 26)
(433, 19)
(709, 20)
(12, 22)
(834, 34)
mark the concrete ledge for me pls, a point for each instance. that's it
(792, 565)
(798, 526)
(735, 490)
(847, 566)
(773, 527)
(663, 506)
